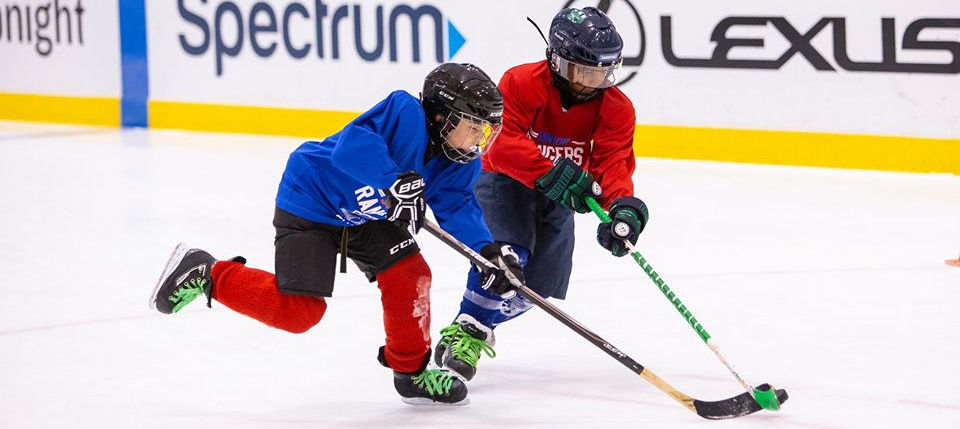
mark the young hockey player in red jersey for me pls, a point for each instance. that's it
(567, 135)
(362, 192)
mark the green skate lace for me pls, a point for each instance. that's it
(187, 293)
(464, 346)
(446, 334)
(435, 381)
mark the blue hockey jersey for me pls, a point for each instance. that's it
(339, 181)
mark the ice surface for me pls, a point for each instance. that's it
(828, 283)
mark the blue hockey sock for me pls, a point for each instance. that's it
(489, 308)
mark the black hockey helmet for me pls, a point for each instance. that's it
(584, 53)
(455, 94)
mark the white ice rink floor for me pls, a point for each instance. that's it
(828, 283)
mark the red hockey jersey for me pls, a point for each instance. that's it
(597, 135)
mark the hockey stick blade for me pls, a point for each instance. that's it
(736, 406)
(765, 397)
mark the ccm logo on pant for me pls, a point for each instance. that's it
(403, 244)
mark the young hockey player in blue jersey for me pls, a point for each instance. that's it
(362, 192)
(564, 124)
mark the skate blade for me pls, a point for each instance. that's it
(426, 402)
(178, 253)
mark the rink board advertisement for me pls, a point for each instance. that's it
(828, 83)
(60, 61)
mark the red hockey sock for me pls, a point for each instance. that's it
(405, 293)
(254, 293)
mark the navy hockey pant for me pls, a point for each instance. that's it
(540, 231)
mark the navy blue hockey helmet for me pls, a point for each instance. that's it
(464, 110)
(584, 52)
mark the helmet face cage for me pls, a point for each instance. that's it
(598, 76)
(466, 137)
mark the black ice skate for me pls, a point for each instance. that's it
(186, 276)
(460, 346)
(430, 387)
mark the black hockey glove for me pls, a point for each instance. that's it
(506, 260)
(568, 185)
(628, 217)
(406, 206)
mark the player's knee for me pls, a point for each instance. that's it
(421, 272)
(417, 267)
(303, 314)
(412, 269)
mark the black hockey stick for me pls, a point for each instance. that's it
(736, 406)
